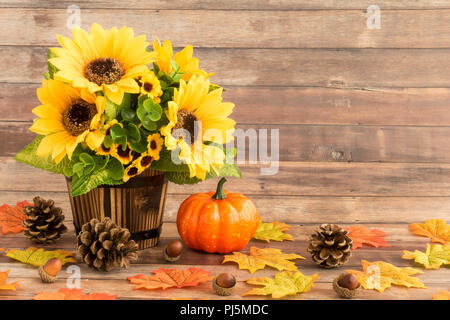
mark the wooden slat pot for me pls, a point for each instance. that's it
(137, 205)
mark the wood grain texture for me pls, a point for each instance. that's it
(352, 68)
(337, 91)
(312, 142)
(230, 4)
(278, 105)
(293, 178)
(294, 209)
(242, 29)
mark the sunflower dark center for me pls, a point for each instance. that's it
(105, 149)
(153, 145)
(148, 86)
(185, 120)
(104, 71)
(132, 171)
(77, 118)
(123, 153)
(146, 160)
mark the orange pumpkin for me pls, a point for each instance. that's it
(217, 222)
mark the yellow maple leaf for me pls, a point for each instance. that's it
(272, 231)
(38, 257)
(283, 284)
(442, 295)
(259, 258)
(435, 229)
(4, 285)
(435, 256)
(380, 275)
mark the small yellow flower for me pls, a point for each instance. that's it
(130, 172)
(138, 166)
(124, 156)
(155, 142)
(151, 86)
(102, 150)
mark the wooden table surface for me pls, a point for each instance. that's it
(115, 282)
(363, 118)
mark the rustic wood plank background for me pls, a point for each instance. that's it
(363, 117)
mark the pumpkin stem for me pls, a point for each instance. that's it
(220, 194)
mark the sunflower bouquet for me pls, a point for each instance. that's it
(111, 108)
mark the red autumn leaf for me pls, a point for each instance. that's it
(73, 294)
(11, 217)
(371, 237)
(168, 278)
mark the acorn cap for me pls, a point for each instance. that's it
(169, 258)
(344, 292)
(221, 291)
(45, 277)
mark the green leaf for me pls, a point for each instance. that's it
(227, 170)
(68, 172)
(115, 169)
(132, 131)
(51, 68)
(78, 168)
(108, 141)
(165, 163)
(117, 132)
(181, 178)
(85, 184)
(111, 110)
(28, 156)
(86, 159)
(152, 109)
(46, 75)
(149, 125)
(101, 162)
(128, 114)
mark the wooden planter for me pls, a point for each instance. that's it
(137, 205)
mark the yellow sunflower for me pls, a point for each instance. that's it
(155, 143)
(106, 60)
(150, 85)
(67, 117)
(204, 118)
(184, 60)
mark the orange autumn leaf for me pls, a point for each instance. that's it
(4, 285)
(362, 235)
(11, 217)
(169, 278)
(442, 295)
(73, 294)
(435, 229)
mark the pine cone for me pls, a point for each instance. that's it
(330, 246)
(104, 245)
(45, 222)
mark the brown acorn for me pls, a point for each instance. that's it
(172, 252)
(49, 271)
(224, 284)
(346, 285)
